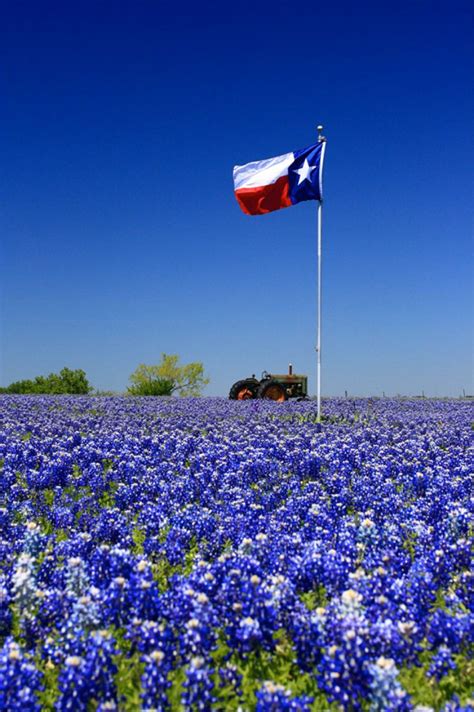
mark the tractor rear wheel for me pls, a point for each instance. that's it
(244, 390)
(272, 390)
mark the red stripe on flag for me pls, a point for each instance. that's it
(265, 198)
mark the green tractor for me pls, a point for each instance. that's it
(272, 386)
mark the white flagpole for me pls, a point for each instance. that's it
(322, 140)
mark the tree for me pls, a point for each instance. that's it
(167, 378)
(70, 381)
(66, 381)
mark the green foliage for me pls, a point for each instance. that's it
(256, 667)
(139, 538)
(150, 386)
(107, 498)
(315, 598)
(161, 567)
(66, 381)
(50, 693)
(260, 665)
(428, 691)
(129, 671)
(168, 377)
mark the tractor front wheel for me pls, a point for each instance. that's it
(244, 390)
(272, 390)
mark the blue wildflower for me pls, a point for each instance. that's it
(272, 697)
(20, 681)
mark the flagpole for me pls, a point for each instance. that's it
(322, 140)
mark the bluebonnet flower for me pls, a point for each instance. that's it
(342, 671)
(73, 685)
(68, 642)
(101, 668)
(46, 570)
(343, 537)
(111, 527)
(62, 517)
(249, 633)
(20, 681)
(308, 634)
(230, 677)
(116, 602)
(198, 686)
(51, 610)
(441, 663)
(5, 611)
(155, 681)
(34, 542)
(147, 636)
(386, 691)
(455, 705)
(197, 637)
(76, 580)
(24, 584)
(85, 612)
(272, 697)
(144, 593)
(90, 676)
(448, 629)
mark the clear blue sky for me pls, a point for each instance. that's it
(120, 234)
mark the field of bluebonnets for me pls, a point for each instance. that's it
(208, 554)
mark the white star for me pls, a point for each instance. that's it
(305, 171)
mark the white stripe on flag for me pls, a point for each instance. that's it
(260, 173)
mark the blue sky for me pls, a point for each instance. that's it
(120, 234)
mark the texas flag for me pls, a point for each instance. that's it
(263, 186)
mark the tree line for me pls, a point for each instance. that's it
(163, 379)
(66, 381)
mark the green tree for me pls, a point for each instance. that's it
(66, 381)
(168, 377)
(70, 381)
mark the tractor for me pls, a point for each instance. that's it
(273, 386)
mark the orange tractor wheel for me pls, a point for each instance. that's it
(272, 390)
(244, 390)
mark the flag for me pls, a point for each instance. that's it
(263, 186)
